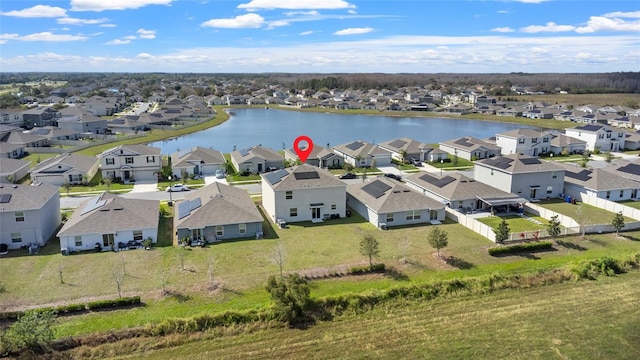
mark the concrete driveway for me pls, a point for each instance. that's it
(210, 179)
(145, 186)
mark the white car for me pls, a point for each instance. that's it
(177, 187)
(220, 174)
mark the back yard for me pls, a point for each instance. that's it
(589, 215)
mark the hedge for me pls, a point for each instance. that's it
(361, 270)
(77, 308)
(512, 249)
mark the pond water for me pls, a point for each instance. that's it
(278, 129)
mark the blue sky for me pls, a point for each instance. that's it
(320, 36)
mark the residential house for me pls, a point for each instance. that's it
(81, 120)
(560, 142)
(217, 212)
(131, 162)
(197, 161)
(461, 192)
(327, 159)
(632, 140)
(256, 159)
(523, 141)
(386, 203)
(313, 159)
(524, 175)
(109, 222)
(28, 214)
(65, 169)
(470, 148)
(580, 182)
(602, 137)
(13, 170)
(303, 193)
(40, 116)
(25, 139)
(363, 154)
(13, 118)
(408, 148)
(11, 151)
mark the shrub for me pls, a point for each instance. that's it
(114, 303)
(512, 249)
(590, 269)
(361, 270)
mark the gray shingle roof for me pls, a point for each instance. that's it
(25, 197)
(519, 164)
(11, 165)
(197, 154)
(597, 179)
(243, 155)
(397, 198)
(460, 189)
(290, 181)
(79, 162)
(136, 148)
(470, 144)
(116, 214)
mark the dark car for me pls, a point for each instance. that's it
(393, 176)
(348, 176)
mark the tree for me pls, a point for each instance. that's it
(10, 178)
(438, 239)
(581, 219)
(403, 155)
(455, 160)
(618, 222)
(107, 182)
(553, 227)
(118, 278)
(291, 296)
(212, 265)
(608, 157)
(564, 152)
(277, 257)
(502, 232)
(369, 247)
(34, 331)
(404, 246)
(67, 186)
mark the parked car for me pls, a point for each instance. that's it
(393, 176)
(177, 187)
(271, 168)
(348, 176)
(415, 162)
(220, 174)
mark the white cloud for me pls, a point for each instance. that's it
(621, 14)
(549, 27)
(101, 5)
(278, 23)
(123, 41)
(600, 23)
(503, 12)
(146, 34)
(531, 1)
(50, 37)
(352, 12)
(38, 11)
(5, 37)
(129, 37)
(304, 33)
(108, 25)
(306, 13)
(239, 22)
(503, 29)
(254, 5)
(76, 21)
(353, 31)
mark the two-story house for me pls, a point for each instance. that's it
(28, 214)
(603, 137)
(524, 175)
(303, 193)
(40, 116)
(81, 121)
(523, 141)
(131, 162)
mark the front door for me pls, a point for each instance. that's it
(260, 168)
(107, 240)
(315, 213)
(126, 174)
(533, 194)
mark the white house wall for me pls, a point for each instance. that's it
(39, 225)
(302, 198)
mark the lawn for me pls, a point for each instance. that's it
(591, 215)
(631, 203)
(581, 320)
(516, 222)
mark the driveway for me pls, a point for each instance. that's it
(210, 179)
(145, 186)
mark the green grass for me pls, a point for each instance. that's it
(449, 165)
(591, 215)
(516, 222)
(631, 203)
(583, 320)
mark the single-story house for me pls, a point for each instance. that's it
(197, 161)
(600, 183)
(256, 159)
(408, 147)
(363, 154)
(65, 168)
(12, 170)
(470, 148)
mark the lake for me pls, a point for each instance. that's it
(277, 129)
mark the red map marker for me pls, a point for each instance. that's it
(303, 154)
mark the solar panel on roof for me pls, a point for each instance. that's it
(464, 142)
(355, 145)
(530, 161)
(183, 153)
(589, 127)
(397, 143)
(583, 175)
(633, 169)
(93, 204)
(117, 121)
(244, 152)
(306, 175)
(275, 176)
(186, 207)
(5, 198)
(500, 162)
(376, 188)
(439, 182)
(40, 132)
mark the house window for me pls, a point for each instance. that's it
(293, 212)
(608, 135)
(363, 162)
(545, 140)
(549, 189)
(608, 194)
(634, 193)
(111, 174)
(110, 161)
(333, 206)
(150, 159)
(460, 204)
(137, 235)
(620, 135)
(413, 215)
(601, 136)
(16, 237)
(242, 229)
(390, 217)
(219, 230)
(554, 175)
(128, 160)
(107, 239)
(288, 195)
(534, 140)
(433, 214)
(19, 216)
(521, 141)
(78, 240)
(621, 193)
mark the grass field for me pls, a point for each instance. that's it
(516, 222)
(583, 320)
(590, 214)
(582, 99)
